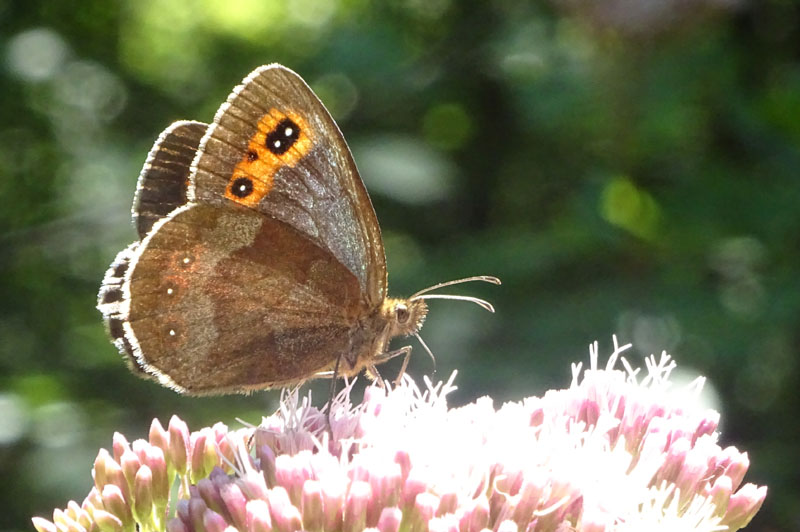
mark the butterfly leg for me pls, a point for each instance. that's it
(403, 368)
(373, 373)
(404, 351)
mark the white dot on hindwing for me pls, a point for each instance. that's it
(288, 132)
(172, 332)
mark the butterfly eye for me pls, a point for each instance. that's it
(401, 313)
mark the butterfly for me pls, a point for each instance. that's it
(260, 261)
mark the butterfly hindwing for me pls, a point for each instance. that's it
(274, 148)
(112, 304)
(162, 187)
(164, 179)
(229, 300)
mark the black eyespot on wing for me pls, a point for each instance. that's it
(242, 187)
(283, 137)
(252, 156)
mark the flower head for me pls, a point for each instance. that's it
(611, 452)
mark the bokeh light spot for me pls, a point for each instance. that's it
(404, 169)
(36, 55)
(59, 424)
(310, 13)
(338, 93)
(628, 207)
(13, 418)
(91, 88)
(650, 333)
(163, 43)
(247, 19)
(737, 261)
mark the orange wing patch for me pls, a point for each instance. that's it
(281, 139)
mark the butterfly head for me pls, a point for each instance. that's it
(404, 316)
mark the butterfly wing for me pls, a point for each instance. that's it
(161, 189)
(228, 300)
(165, 176)
(110, 302)
(274, 148)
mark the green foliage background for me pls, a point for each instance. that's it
(624, 167)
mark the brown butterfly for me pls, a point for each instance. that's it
(260, 261)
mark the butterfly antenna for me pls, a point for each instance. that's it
(483, 278)
(480, 302)
(423, 294)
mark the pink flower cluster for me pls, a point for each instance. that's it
(609, 453)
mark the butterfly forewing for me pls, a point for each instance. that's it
(274, 148)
